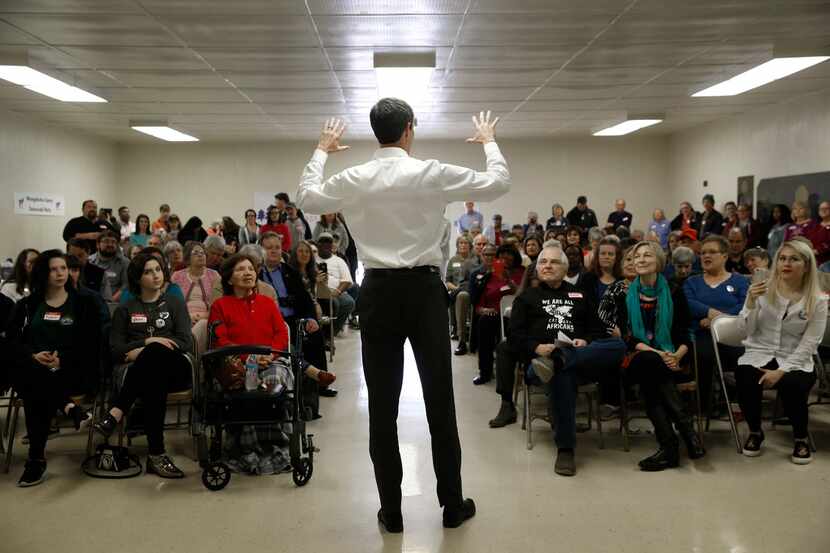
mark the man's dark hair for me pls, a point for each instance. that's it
(83, 205)
(122, 208)
(582, 200)
(78, 243)
(164, 207)
(108, 234)
(389, 118)
(282, 196)
(517, 225)
(72, 262)
(709, 197)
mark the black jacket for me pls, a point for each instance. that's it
(539, 314)
(298, 297)
(712, 225)
(135, 321)
(84, 355)
(677, 222)
(584, 219)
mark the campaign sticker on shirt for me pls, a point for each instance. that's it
(730, 288)
(111, 274)
(138, 318)
(574, 294)
(802, 315)
(67, 321)
(164, 314)
(479, 276)
(160, 323)
(504, 288)
(52, 316)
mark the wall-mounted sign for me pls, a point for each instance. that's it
(38, 203)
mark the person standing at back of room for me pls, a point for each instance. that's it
(403, 296)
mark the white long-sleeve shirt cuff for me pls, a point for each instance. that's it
(320, 155)
(491, 148)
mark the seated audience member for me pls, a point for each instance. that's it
(604, 269)
(462, 299)
(573, 236)
(249, 231)
(684, 263)
(776, 227)
(802, 225)
(488, 284)
(595, 234)
(192, 231)
(156, 240)
(74, 266)
(475, 230)
(175, 225)
(162, 223)
(687, 218)
(688, 239)
(755, 258)
(495, 232)
(737, 246)
(215, 251)
(751, 227)
(87, 227)
(557, 221)
(330, 223)
(196, 282)
(91, 276)
(530, 249)
(54, 340)
(716, 292)
(575, 268)
(454, 276)
(623, 233)
(150, 339)
(533, 226)
(142, 231)
(302, 260)
(820, 237)
(611, 309)
(275, 223)
(559, 236)
(638, 235)
(657, 335)
(539, 316)
(660, 226)
(133, 250)
(338, 278)
(296, 224)
(257, 256)
(167, 287)
(518, 231)
(674, 240)
(174, 253)
(730, 217)
(784, 319)
(113, 263)
(17, 287)
(230, 232)
(294, 302)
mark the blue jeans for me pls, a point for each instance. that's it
(344, 306)
(581, 365)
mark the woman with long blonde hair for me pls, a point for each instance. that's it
(784, 317)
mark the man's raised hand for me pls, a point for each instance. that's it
(330, 136)
(485, 129)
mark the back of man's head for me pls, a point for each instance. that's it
(389, 118)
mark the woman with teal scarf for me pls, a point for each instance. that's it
(658, 340)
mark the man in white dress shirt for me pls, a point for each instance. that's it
(395, 206)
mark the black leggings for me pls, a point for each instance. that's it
(157, 371)
(793, 389)
(44, 392)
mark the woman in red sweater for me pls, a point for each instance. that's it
(275, 224)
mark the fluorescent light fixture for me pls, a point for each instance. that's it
(627, 127)
(42, 83)
(164, 133)
(404, 75)
(775, 69)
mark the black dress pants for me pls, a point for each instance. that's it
(156, 371)
(489, 329)
(793, 389)
(506, 359)
(395, 306)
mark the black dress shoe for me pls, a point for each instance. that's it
(479, 380)
(693, 445)
(662, 460)
(455, 517)
(453, 336)
(391, 523)
(461, 349)
(328, 392)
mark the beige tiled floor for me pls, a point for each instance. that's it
(726, 503)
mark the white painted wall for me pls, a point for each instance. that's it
(37, 158)
(788, 139)
(211, 180)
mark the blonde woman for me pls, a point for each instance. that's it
(784, 318)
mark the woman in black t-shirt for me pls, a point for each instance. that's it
(54, 336)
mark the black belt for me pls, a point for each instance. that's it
(404, 270)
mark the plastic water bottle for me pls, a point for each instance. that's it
(251, 373)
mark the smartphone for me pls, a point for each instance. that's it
(322, 267)
(761, 274)
(498, 266)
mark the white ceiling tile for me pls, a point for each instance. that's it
(243, 30)
(68, 6)
(11, 36)
(388, 31)
(265, 60)
(225, 7)
(512, 57)
(116, 58)
(282, 79)
(226, 94)
(274, 96)
(321, 110)
(484, 78)
(561, 7)
(511, 29)
(377, 7)
(93, 29)
(203, 108)
(169, 78)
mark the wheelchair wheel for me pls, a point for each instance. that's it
(216, 476)
(303, 474)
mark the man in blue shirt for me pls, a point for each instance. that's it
(470, 218)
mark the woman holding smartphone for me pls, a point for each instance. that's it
(784, 318)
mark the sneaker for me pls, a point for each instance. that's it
(455, 517)
(106, 426)
(507, 415)
(461, 349)
(53, 433)
(801, 453)
(34, 472)
(163, 466)
(543, 367)
(752, 446)
(80, 417)
(565, 463)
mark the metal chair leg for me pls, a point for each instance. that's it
(732, 423)
(528, 418)
(624, 416)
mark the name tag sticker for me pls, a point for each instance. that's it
(574, 294)
(504, 289)
(730, 288)
(456, 264)
(138, 318)
(111, 274)
(53, 316)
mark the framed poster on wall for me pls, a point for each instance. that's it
(810, 188)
